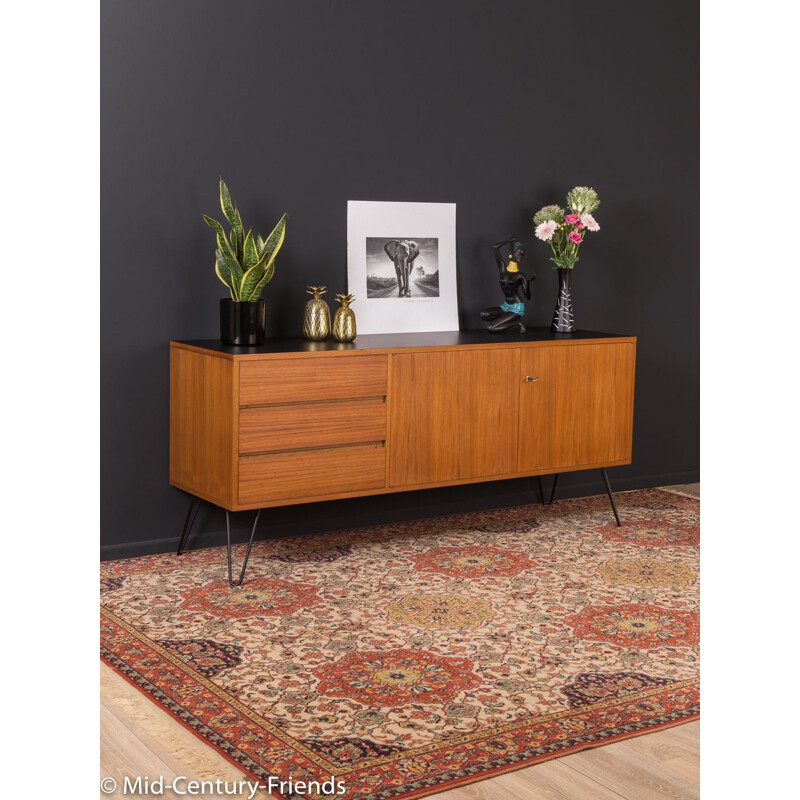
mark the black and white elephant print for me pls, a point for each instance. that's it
(402, 252)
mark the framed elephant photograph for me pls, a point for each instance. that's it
(401, 266)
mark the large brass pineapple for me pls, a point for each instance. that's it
(344, 321)
(317, 316)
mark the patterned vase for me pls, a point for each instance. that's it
(317, 316)
(344, 321)
(563, 318)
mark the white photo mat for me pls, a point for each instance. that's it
(427, 231)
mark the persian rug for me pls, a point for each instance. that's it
(405, 659)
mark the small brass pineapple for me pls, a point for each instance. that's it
(317, 316)
(344, 321)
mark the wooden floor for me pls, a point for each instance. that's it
(139, 739)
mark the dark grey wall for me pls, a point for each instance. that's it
(499, 107)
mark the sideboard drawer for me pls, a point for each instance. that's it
(306, 380)
(311, 473)
(264, 429)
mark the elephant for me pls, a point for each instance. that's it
(402, 252)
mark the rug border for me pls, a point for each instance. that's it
(183, 724)
(418, 793)
(541, 759)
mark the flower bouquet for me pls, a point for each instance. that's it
(564, 231)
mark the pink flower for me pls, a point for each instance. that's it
(571, 219)
(579, 225)
(590, 222)
(546, 230)
(575, 237)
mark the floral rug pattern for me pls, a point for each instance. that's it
(407, 658)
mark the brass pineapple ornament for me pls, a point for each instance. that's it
(344, 321)
(317, 316)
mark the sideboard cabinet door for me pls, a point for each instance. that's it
(453, 416)
(576, 406)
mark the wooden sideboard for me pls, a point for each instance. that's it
(298, 422)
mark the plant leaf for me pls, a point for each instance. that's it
(254, 280)
(235, 245)
(227, 207)
(220, 231)
(223, 273)
(275, 239)
(225, 248)
(269, 269)
(250, 281)
(268, 273)
(564, 261)
(260, 244)
(240, 229)
(234, 267)
(234, 219)
(251, 257)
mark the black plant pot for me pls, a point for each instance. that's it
(563, 318)
(242, 322)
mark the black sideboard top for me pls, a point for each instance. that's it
(393, 341)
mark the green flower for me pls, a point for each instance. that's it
(547, 213)
(582, 200)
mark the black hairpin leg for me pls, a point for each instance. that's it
(541, 489)
(610, 495)
(553, 489)
(187, 526)
(246, 555)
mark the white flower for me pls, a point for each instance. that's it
(546, 230)
(590, 222)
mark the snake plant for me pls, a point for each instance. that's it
(243, 263)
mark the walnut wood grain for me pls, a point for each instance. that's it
(305, 380)
(386, 489)
(202, 426)
(265, 479)
(268, 428)
(580, 408)
(453, 416)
